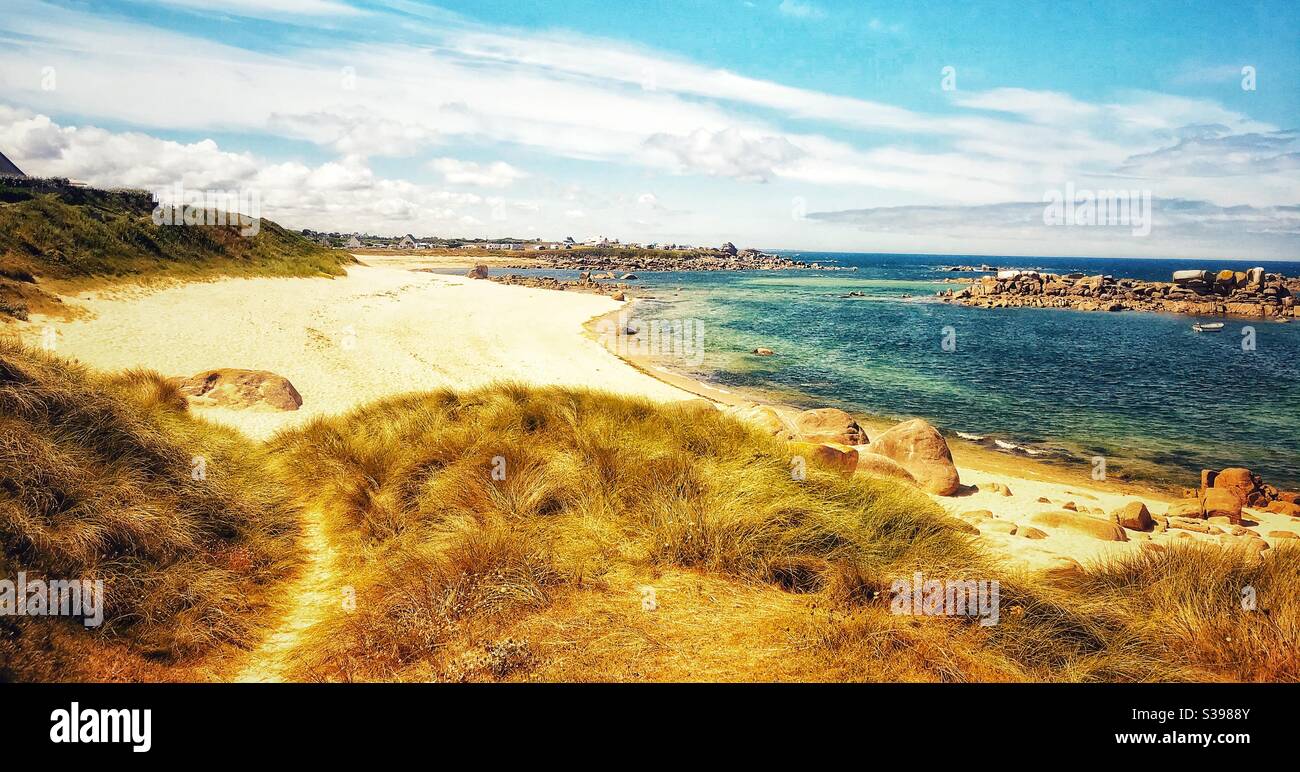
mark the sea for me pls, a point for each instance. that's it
(1155, 399)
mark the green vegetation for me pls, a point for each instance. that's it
(98, 481)
(51, 231)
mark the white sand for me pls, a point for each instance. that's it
(349, 341)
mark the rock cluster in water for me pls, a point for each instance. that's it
(1253, 293)
(583, 284)
(727, 258)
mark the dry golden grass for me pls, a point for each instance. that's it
(541, 574)
(96, 482)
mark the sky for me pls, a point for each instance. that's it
(780, 124)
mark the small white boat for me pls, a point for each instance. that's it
(1208, 327)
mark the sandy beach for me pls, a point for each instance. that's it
(345, 342)
(386, 330)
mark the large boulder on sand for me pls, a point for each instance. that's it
(1134, 516)
(1084, 524)
(876, 465)
(1222, 502)
(479, 271)
(923, 452)
(239, 389)
(1241, 482)
(829, 424)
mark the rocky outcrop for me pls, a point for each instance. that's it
(1248, 489)
(1220, 502)
(1253, 294)
(240, 389)
(1239, 482)
(611, 261)
(479, 271)
(763, 351)
(922, 451)
(586, 284)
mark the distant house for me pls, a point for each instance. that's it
(353, 242)
(407, 242)
(7, 168)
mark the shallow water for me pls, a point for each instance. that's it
(1156, 399)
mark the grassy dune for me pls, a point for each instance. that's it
(541, 574)
(517, 533)
(53, 232)
(97, 481)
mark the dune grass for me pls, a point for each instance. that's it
(99, 480)
(540, 571)
(50, 231)
(523, 533)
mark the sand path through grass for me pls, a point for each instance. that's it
(308, 600)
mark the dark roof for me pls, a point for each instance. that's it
(7, 168)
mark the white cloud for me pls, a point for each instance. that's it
(498, 174)
(727, 153)
(565, 98)
(344, 194)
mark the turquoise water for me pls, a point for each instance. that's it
(1157, 399)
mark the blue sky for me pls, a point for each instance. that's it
(780, 123)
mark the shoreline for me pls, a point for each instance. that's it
(413, 330)
(1004, 494)
(965, 453)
